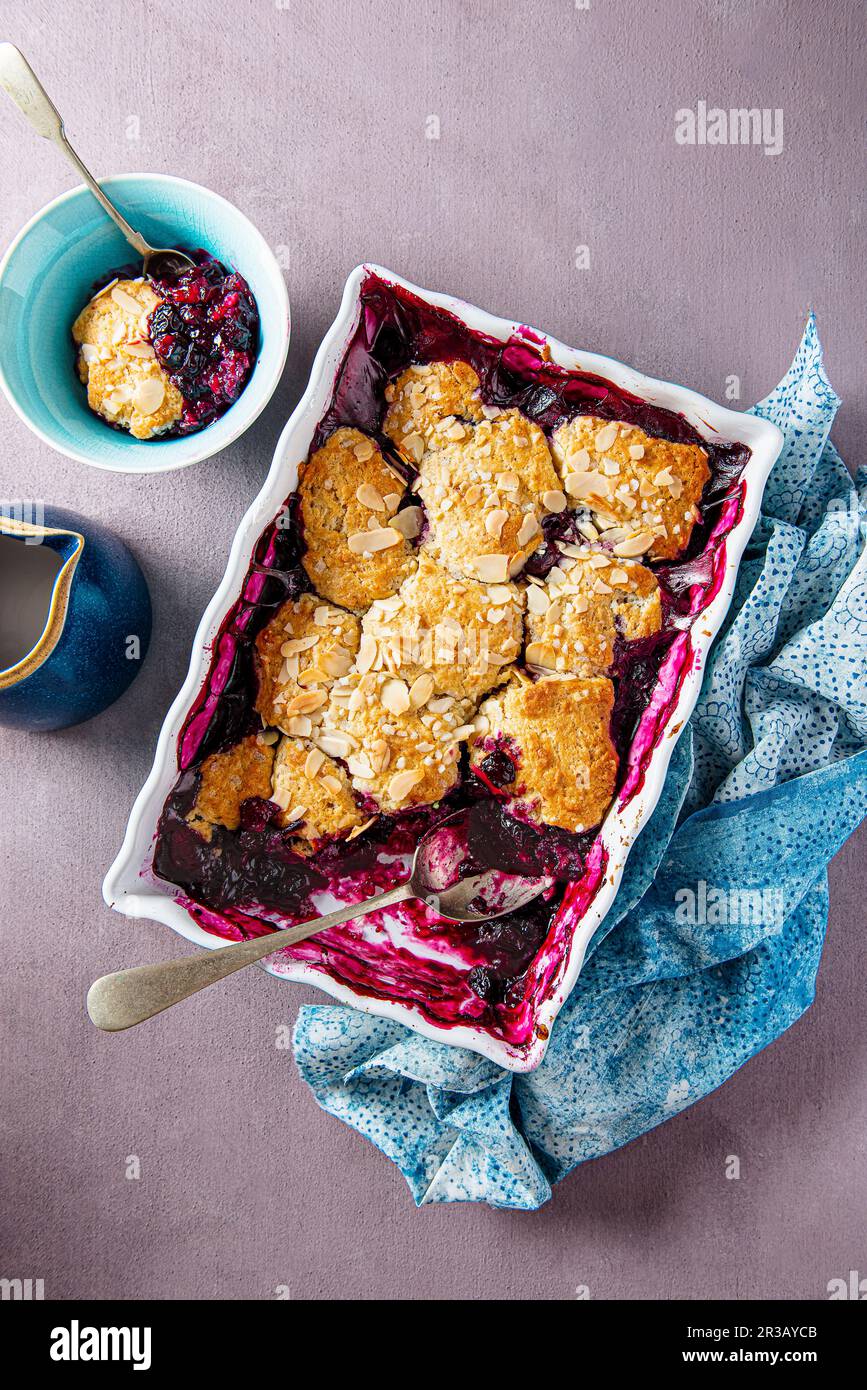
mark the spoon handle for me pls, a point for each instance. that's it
(20, 81)
(128, 997)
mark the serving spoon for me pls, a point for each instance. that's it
(25, 89)
(128, 997)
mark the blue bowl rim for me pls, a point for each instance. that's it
(205, 452)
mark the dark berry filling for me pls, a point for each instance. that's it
(492, 974)
(205, 335)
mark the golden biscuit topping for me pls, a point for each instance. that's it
(559, 731)
(227, 780)
(125, 383)
(357, 546)
(443, 634)
(306, 647)
(575, 615)
(429, 406)
(399, 749)
(485, 497)
(643, 492)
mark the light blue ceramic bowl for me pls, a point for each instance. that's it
(45, 279)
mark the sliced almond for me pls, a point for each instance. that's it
(554, 501)
(371, 541)
(463, 731)
(368, 650)
(335, 744)
(125, 301)
(336, 663)
(617, 577)
(528, 529)
(392, 501)
(332, 783)
(541, 654)
(421, 690)
(492, 569)
(579, 460)
(363, 450)
(370, 496)
(473, 494)
(537, 600)
(605, 437)
(314, 763)
(299, 644)
(149, 395)
(408, 522)
(636, 451)
(395, 696)
(359, 766)
(139, 350)
(297, 813)
(402, 784)
(360, 829)
(508, 481)
(495, 521)
(635, 545)
(664, 478)
(413, 445)
(306, 702)
(587, 485)
(299, 726)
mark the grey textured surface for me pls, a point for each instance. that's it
(556, 130)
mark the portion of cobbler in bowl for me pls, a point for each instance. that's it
(480, 595)
(166, 357)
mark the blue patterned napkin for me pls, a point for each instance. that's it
(721, 914)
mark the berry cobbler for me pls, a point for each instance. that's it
(165, 357)
(479, 596)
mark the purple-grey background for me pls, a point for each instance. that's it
(556, 130)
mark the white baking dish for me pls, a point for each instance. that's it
(132, 889)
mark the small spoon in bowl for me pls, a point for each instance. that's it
(25, 89)
(128, 997)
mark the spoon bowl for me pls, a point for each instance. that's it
(437, 878)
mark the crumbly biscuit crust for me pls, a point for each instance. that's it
(125, 383)
(426, 407)
(574, 617)
(308, 644)
(312, 788)
(398, 751)
(567, 764)
(226, 780)
(643, 491)
(457, 635)
(485, 495)
(357, 546)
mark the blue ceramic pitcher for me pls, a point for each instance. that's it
(75, 618)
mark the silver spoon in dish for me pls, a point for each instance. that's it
(25, 89)
(128, 997)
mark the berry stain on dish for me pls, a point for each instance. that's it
(166, 356)
(480, 596)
